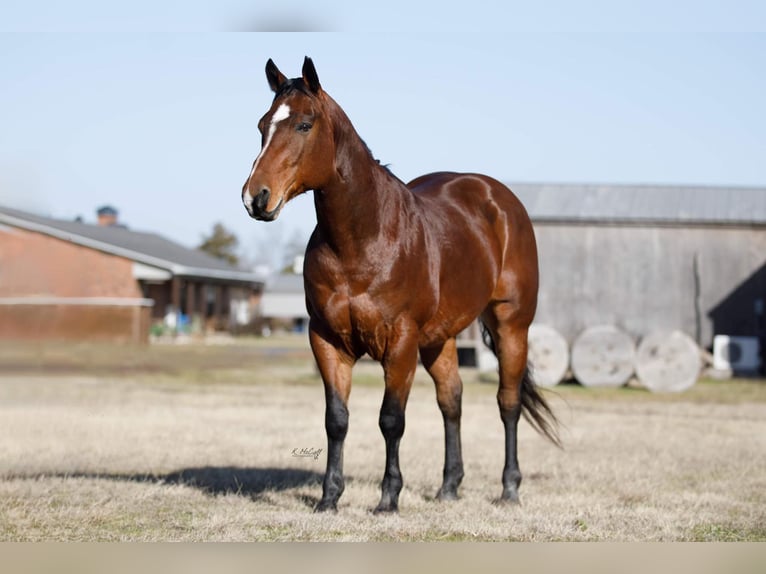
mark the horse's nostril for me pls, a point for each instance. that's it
(262, 198)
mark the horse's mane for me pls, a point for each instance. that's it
(342, 117)
(299, 85)
(293, 85)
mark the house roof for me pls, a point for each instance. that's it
(643, 204)
(148, 248)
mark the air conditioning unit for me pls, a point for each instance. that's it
(738, 354)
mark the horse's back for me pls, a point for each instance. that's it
(470, 190)
(445, 195)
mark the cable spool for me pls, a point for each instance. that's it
(603, 356)
(668, 361)
(548, 355)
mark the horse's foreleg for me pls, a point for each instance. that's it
(335, 368)
(442, 365)
(399, 365)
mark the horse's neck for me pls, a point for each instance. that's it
(357, 211)
(362, 203)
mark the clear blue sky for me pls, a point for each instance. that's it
(162, 125)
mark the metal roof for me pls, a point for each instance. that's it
(662, 204)
(284, 297)
(284, 283)
(149, 248)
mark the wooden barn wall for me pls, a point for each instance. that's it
(702, 280)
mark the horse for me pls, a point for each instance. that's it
(397, 270)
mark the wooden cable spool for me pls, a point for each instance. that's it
(603, 356)
(548, 355)
(668, 361)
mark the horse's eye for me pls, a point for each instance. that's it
(303, 127)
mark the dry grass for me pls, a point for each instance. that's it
(195, 443)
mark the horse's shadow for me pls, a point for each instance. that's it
(250, 482)
(244, 481)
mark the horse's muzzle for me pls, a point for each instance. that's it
(268, 215)
(257, 206)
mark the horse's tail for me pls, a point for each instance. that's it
(534, 407)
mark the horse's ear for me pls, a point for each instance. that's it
(274, 76)
(310, 76)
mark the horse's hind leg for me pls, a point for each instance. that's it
(441, 363)
(509, 335)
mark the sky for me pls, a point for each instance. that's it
(152, 107)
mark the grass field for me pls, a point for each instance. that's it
(199, 442)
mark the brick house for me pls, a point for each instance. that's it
(72, 280)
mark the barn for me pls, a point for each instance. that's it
(650, 258)
(284, 302)
(74, 280)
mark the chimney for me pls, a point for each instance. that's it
(107, 216)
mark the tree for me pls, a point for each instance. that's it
(221, 243)
(275, 246)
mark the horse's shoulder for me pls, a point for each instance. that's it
(321, 264)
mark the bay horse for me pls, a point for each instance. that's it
(393, 270)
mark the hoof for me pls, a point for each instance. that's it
(386, 509)
(508, 499)
(326, 506)
(443, 495)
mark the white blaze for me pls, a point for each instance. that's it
(282, 113)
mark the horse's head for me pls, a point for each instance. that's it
(297, 148)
